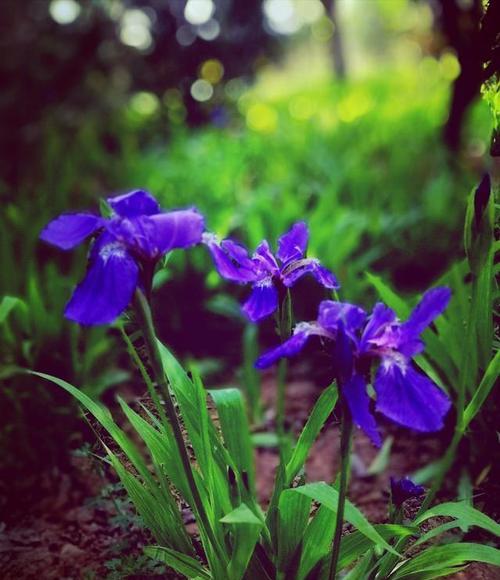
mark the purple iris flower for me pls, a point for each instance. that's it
(404, 395)
(403, 489)
(268, 274)
(136, 235)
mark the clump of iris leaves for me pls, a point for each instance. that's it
(415, 363)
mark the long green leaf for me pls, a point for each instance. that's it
(464, 513)
(181, 563)
(293, 516)
(488, 381)
(320, 413)
(158, 511)
(328, 496)
(234, 424)
(389, 297)
(246, 528)
(437, 558)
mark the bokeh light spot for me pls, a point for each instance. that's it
(199, 12)
(64, 11)
(322, 30)
(144, 104)
(201, 90)
(209, 30)
(212, 71)
(185, 35)
(135, 29)
(262, 118)
(449, 66)
(281, 16)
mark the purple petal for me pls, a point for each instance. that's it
(410, 398)
(433, 303)
(358, 400)
(331, 313)
(231, 260)
(296, 269)
(134, 204)
(381, 317)
(107, 288)
(262, 301)
(152, 236)
(264, 260)
(289, 348)
(293, 244)
(178, 229)
(69, 230)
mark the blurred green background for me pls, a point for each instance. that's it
(348, 114)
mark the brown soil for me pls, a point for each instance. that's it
(69, 534)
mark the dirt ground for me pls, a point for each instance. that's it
(83, 527)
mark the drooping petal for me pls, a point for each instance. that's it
(433, 303)
(410, 398)
(231, 260)
(358, 400)
(264, 260)
(343, 355)
(69, 230)
(178, 229)
(150, 237)
(107, 288)
(403, 489)
(287, 349)
(296, 269)
(134, 203)
(262, 302)
(381, 317)
(332, 312)
(293, 244)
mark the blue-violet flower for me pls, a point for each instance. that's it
(404, 395)
(403, 489)
(135, 236)
(267, 273)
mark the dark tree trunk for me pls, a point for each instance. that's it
(461, 26)
(337, 47)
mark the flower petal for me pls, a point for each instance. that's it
(331, 313)
(69, 230)
(231, 260)
(410, 398)
(289, 348)
(178, 229)
(358, 401)
(264, 260)
(296, 269)
(107, 288)
(433, 303)
(293, 244)
(134, 204)
(153, 236)
(262, 301)
(380, 318)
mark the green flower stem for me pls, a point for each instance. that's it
(143, 311)
(284, 323)
(345, 466)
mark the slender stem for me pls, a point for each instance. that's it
(145, 319)
(345, 453)
(144, 373)
(284, 323)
